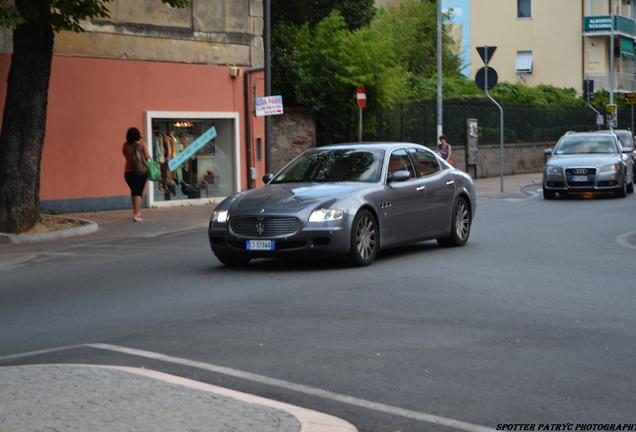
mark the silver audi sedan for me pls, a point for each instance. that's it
(347, 200)
(587, 162)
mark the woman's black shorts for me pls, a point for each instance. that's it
(135, 182)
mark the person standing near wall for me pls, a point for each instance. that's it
(136, 182)
(444, 149)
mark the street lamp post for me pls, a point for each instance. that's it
(611, 77)
(267, 36)
(440, 127)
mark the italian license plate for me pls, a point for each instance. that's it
(579, 178)
(260, 245)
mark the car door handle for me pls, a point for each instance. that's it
(421, 188)
(450, 182)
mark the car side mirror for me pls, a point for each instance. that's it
(399, 176)
(547, 152)
(268, 178)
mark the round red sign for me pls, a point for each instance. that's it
(361, 97)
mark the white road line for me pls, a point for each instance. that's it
(623, 240)
(312, 391)
(34, 353)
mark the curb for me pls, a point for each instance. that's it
(87, 227)
(310, 421)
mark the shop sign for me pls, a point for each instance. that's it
(191, 149)
(270, 105)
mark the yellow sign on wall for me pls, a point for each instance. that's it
(630, 98)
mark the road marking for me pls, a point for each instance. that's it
(39, 352)
(623, 239)
(299, 388)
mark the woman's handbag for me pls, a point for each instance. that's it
(154, 172)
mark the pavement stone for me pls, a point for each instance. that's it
(84, 398)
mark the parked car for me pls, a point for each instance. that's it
(588, 162)
(627, 143)
(347, 200)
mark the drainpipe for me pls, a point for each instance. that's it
(248, 125)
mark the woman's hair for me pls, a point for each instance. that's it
(133, 135)
(442, 137)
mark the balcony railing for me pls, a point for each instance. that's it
(603, 24)
(624, 82)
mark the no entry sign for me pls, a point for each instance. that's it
(361, 96)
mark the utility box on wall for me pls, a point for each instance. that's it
(472, 140)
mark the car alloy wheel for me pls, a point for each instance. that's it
(462, 221)
(460, 225)
(364, 245)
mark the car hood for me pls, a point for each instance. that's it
(293, 197)
(579, 160)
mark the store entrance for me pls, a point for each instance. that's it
(209, 173)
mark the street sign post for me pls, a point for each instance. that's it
(486, 52)
(611, 116)
(361, 99)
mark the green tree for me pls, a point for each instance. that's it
(329, 61)
(357, 13)
(412, 26)
(34, 24)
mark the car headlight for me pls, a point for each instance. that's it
(554, 170)
(326, 215)
(219, 216)
(613, 168)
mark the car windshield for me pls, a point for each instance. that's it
(626, 139)
(586, 145)
(336, 165)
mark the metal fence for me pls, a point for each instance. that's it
(417, 122)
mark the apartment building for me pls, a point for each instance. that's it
(558, 42)
(170, 72)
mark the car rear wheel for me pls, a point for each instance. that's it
(364, 239)
(460, 225)
(630, 187)
(548, 194)
(232, 259)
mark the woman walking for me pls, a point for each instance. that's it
(136, 181)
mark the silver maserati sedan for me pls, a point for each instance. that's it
(588, 162)
(348, 200)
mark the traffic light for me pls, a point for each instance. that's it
(588, 90)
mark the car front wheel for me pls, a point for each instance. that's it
(364, 239)
(621, 192)
(548, 194)
(460, 225)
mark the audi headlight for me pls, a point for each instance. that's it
(326, 215)
(613, 168)
(219, 216)
(554, 170)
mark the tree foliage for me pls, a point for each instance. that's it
(328, 62)
(356, 13)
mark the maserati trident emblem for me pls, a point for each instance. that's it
(260, 228)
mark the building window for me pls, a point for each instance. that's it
(524, 62)
(524, 8)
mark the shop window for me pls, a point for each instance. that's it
(524, 8)
(208, 173)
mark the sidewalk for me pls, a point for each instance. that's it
(119, 399)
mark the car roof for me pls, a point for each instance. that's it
(373, 145)
(603, 132)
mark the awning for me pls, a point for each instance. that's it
(627, 48)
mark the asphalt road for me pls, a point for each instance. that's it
(531, 322)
